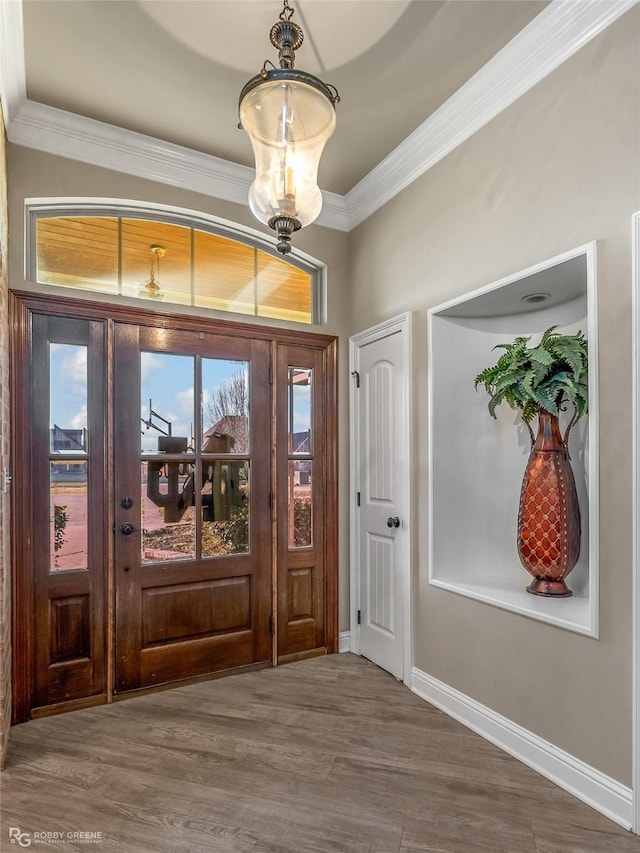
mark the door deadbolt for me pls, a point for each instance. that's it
(393, 521)
(126, 503)
(126, 529)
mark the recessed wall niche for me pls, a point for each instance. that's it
(477, 463)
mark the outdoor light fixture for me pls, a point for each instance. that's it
(289, 115)
(151, 289)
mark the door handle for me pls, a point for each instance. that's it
(126, 529)
(393, 521)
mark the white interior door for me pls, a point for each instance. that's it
(381, 473)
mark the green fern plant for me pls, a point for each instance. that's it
(546, 376)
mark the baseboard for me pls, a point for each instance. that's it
(344, 641)
(583, 781)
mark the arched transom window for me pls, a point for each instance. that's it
(176, 260)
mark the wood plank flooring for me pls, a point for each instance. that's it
(329, 755)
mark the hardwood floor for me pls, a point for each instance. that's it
(329, 755)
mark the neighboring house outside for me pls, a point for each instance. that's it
(69, 440)
(302, 469)
(230, 426)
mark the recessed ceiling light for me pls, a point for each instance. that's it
(535, 297)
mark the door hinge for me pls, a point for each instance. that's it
(357, 498)
(357, 375)
(272, 625)
(270, 500)
(359, 616)
(270, 374)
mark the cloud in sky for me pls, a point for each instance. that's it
(149, 363)
(79, 420)
(302, 408)
(68, 397)
(184, 401)
(70, 366)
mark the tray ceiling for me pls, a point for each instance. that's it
(173, 70)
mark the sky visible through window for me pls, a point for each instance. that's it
(68, 386)
(168, 380)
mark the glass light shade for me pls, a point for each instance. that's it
(288, 123)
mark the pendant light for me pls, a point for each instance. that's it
(151, 289)
(289, 116)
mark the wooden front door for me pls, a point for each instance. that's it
(192, 504)
(174, 500)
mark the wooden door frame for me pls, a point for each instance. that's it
(401, 324)
(22, 305)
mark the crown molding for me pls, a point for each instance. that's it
(13, 84)
(551, 38)
(560, 30)
(79, 138)
(76, 137)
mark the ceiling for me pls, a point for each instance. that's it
(173, 69)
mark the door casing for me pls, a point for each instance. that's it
(23, 306)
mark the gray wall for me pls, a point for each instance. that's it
(557, 169)
(33, 174)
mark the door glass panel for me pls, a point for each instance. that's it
(299, 398)
(225, 406)
(167, 415)
(168, 520)
(225, 508)
(68, 515)
(68, 398)
(300, 510)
